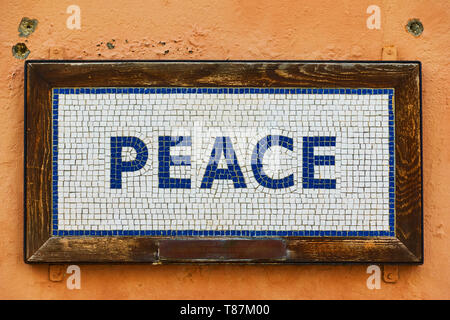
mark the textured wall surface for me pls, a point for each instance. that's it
(228, 29)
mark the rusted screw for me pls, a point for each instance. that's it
(415, 27)
(20, 51)
(27, 26)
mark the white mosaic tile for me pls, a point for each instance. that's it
(225, 162)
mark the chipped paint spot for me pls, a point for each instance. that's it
(110, 45)
(20, 51)
(27, 26)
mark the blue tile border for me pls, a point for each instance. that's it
(222, 90)
(227, 90)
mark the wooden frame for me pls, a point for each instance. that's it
(42, 76)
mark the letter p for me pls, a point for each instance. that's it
(118, 166)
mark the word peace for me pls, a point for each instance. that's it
(222, 148)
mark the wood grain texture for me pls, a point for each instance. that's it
(408, 207)
(37, 162)
(404, 77)
(212, 74)
(96, 249)
(356, 250)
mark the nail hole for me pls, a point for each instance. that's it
(415, 27)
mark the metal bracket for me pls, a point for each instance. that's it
(56, 53)
(390, 273)
(56, 272)
(389, 53)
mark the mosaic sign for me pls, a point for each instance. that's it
(223, 162)
(190, 169)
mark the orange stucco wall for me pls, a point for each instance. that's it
(228, 29)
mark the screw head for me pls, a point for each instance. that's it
(415, 27)
(20, 51)
(27, 26)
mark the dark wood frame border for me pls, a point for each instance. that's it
(404, 76)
